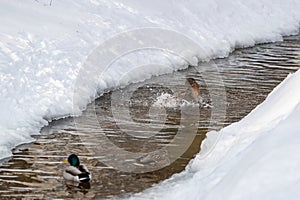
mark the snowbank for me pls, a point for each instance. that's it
(42, 47)
(256, 158)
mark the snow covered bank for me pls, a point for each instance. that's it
(256, 158)
(42, 47)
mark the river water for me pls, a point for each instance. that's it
(129, 144)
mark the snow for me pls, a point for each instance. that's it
(43, 52)
(255, 158)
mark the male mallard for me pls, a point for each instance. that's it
(76, 172)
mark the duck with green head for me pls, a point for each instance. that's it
(76, 172)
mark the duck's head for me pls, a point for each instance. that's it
(195, 90)
(73, 160)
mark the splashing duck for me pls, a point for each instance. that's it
(190, 96)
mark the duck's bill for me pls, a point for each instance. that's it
(65, 160)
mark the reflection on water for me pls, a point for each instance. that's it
(35, 169)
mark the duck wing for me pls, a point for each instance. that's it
(85, 175)
(72, 170)
(71, 174)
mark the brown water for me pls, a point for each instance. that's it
(34, 171)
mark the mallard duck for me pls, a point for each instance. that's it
(76, 172)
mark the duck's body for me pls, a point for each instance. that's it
(80, 174)
(76, 172)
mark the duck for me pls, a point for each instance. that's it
(76, 172)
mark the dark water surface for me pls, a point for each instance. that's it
(35, 170)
